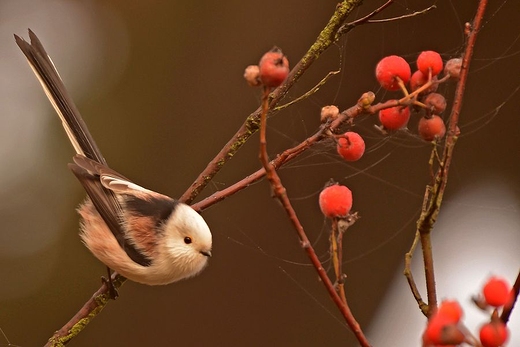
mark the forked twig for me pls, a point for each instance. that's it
(281, 194)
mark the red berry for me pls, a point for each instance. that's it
(418, 80)
(497, 291)
(453, 67)
(391, 67)
(335, 201)
(443, 332)
(431, 128)
(274, 68)
(429, 60)
(394, 118)
(351, 146)
(436, 103)
(493, 334)
(451, 310)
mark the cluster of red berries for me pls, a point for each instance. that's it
(270, 72)
(394, 73)
(445, 329)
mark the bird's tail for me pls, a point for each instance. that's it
(59, 97)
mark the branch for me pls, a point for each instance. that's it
(324, 40)
(281, 193)
(85, 314)
(508, 308)
(435, 194)
(409, 275)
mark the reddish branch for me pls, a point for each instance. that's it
(435, 193)
(508, 308)
(281, 193)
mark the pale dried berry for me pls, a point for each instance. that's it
(493, 334)
(390, 69)
(418, 80)
(329, 112)
(394, 118)
(335, 201)
(351, 146)
(431, 128)
(453, 67)
(274, 68)
(435, 102)
(429, 61)
(252, 75)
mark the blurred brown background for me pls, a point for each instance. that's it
(160, 85)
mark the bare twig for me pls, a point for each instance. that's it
(508, 308)
(309, 92)
(368, 18)
(280, 192)
(336, 251)
(409, 275)
(404, 16)
(349, 26)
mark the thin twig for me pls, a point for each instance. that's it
(281, 193)
(309, 92)
(336, 251)
(409, 275)
(408, 15)
(349, 26)
(508, 308)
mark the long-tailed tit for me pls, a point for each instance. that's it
(145, 236)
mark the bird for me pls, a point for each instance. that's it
(145, 236)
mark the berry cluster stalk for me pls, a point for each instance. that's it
(435, 192)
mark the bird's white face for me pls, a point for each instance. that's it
(188, 241)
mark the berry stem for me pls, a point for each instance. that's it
(336, 250)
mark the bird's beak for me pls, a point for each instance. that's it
(206, 253)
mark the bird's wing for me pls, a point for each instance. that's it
(103, 200)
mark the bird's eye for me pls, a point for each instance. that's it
(187, 240)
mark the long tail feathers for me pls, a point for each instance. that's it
(53, 86)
